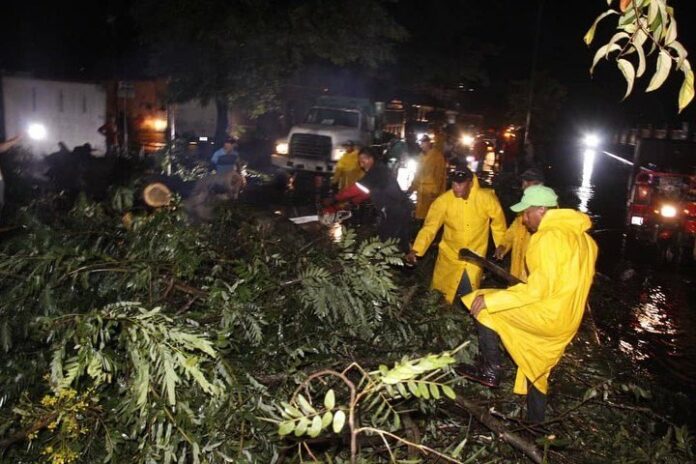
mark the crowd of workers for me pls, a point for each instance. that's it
(552, 255)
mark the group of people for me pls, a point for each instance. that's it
(551, 253)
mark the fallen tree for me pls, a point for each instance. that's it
(151, 340)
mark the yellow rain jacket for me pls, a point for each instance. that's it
(347, 170)
(430, 180)
(466, 226)
(517, 239)
(536, 320)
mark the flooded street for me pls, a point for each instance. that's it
(649, 309)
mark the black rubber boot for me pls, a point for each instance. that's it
(536, 404)
(487, 371)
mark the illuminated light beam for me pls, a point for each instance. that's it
(618, 158)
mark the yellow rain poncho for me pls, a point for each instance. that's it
(430, 181)
(517, 239)
(466, 224)
(347, 170)
(536, 320)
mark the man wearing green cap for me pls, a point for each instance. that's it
(536, 320)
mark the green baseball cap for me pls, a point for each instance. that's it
(536, 195)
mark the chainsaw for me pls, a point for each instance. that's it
(327, 217)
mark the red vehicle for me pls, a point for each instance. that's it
(662, 199)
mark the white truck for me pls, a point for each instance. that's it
(317, 144)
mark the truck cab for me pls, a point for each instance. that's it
(316, 145)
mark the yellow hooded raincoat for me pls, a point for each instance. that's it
(466, 226)
(536, 320)
(430, 181)
(517, 238)
(347, 170)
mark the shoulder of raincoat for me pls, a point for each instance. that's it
(466, 224)
(536, 320)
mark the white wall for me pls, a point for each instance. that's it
(71, 112)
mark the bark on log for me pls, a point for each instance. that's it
(493, 424)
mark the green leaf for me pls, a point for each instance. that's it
(286, 428)
(413, 388)
(338, 421)
(589, 36)
(434, 391)
(664, 65)
(402, 390)
(423, 389)
(330, 400)
(327, 419)
(641, 60)
(315, 428)
(301, 426)
(448, 391)
(681, 53)
(629, 74)
(686, 93)
(305, 406)
(291, 410)
(603, 52)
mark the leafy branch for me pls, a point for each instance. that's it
(643, 22)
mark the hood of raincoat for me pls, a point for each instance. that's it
(566, 219)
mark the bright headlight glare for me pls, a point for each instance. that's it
(36, 131)
(338, 153)
(467, 140)
(668, 211)
(282, 148)
(591, 140)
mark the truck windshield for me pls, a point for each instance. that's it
(333, 117)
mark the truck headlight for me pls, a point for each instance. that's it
(281, 148)
(467, 140)
(591, 140)
(668, 211)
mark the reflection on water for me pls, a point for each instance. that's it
(586, 190)
(650, 316)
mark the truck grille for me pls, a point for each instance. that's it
(310, 146)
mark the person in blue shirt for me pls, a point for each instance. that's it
(225, 159)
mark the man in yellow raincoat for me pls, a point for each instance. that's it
(517, 235)
(466, 212)
(536, 320)
(430, 180)
(348, 169)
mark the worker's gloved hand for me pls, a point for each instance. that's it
(411, 258)
(499, 252)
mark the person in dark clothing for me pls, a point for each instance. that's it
(380, 186)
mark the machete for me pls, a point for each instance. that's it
(468, 255)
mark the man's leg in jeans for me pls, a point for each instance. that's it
(464, 288)
(536, 404)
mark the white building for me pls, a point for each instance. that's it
(46, 112)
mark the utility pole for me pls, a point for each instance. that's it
(532, 74)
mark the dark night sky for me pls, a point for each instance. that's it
(80, 39)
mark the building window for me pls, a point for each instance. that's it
(60, 101)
